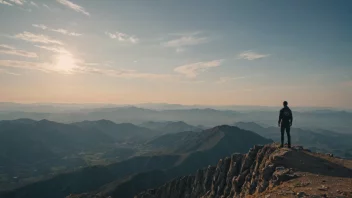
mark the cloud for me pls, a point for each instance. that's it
(18, 2)
(123, 37)
(223, 80)
(250, 55)
(66, 32)
(60, 30)
(185, 33)
(5, 3)
(192, 70)
(41, 26)
(179, 50)
(6, 49)
(65, 62)
(3, 71)
(24, 65)
(46, 6)
(37, 38)
(34, 4)
(80, 67)
(185, 41)
(73, 6)
(123, 73)
(55, 49)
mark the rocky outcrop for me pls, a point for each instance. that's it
(263, 167)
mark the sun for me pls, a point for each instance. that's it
(65, 63)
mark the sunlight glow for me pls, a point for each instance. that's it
(65, 63)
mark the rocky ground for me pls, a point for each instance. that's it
(265, 171)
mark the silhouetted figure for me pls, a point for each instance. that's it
(285, 122)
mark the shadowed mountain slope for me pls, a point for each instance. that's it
(170, 127)
(129, 177)
(232, 140)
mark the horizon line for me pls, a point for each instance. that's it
(184, 105)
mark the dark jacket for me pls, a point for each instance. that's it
(285, 118)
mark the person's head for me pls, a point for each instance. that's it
(285, 103)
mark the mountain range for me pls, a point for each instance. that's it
(313, 119)
(170, 127)
(124, 179)
(30, 150)
(102, 158)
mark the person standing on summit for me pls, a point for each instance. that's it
(285, 122)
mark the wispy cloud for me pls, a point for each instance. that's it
(185, 39)
(80, 67)
(250, 55)
(123, 37)
(55, 49)
(179, 50)
(223, 80)
(37, 38)
(60, 30)
(41, 26)
(24, 65)
(34, 4)
(65, 62)
(10, 50)
(66, 32)
(46, 6)
(123, 73)
(192, 70)
(194, 33)
(18, 2)
(3, 71)
(5, 3)
(73, 6)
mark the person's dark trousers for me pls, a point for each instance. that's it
(287, 129)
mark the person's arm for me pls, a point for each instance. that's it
(280, 118)
(291, 119)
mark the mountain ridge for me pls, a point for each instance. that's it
(265, 171)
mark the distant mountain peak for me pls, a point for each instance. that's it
(21, 121)
(47, 122)
(225, 128)
(104, 121)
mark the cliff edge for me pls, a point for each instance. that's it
(265, 171)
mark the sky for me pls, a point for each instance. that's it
(205, 52)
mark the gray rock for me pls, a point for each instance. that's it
(301, 194)
(282, 176)
(237, 176)
(280, 168)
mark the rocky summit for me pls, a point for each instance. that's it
(265, 171)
